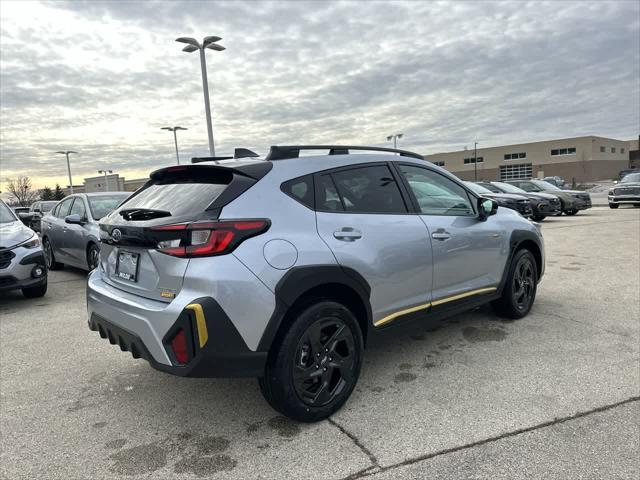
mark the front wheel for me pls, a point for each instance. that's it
(538, 218)
(571, 213)
(520, 288)
(49, 256)
(613, 205)
(314, 366)
(35, 292)
(93, 256)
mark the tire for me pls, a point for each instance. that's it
(613, 205)
(636, 205)
(518, 296)
(49, 257)
(538, 218)
(35, 292)
(303, 379)
(93, 256)
(571, 213)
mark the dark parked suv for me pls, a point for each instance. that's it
(542, 204)
(572, 201)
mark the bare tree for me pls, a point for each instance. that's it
(21, 191)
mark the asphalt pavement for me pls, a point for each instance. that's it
(554, 395)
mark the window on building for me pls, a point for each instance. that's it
(439, 163)
(563, 151)
(602, 149)
(514, 156)
(512, 172)
(472, 160)
(622, 150)
(613, 149)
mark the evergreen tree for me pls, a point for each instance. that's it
(46, 193)
(58, 194)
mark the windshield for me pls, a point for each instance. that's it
(6, 215)
(105, 204)
(507, 187)
(47, 206)
(631, 177)
(544, 185)
(477, 188)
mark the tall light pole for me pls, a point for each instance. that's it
(193, 45)
(175, 138)
(395, 138)
(106, 185)
(475, 161)
(66, 153)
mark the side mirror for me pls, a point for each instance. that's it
(74, 219)
(486, 208)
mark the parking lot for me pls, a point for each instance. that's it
(555, 395)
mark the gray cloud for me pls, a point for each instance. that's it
(109, 75)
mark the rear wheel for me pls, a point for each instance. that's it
(314, 366)
(571, 212)
(538, 218)
(35, 292)
(613, 205)
(93, 256)
(49, 256)
(519, 290)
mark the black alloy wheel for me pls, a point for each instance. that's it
(519, 291)
(314, 361)
(523, 283)
(324, 361)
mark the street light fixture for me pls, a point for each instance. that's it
(192, 46)
(395, 138)
(106, 185)
(175, 138)
(66, 153)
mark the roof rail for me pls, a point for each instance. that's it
(238, 153)
(282, 152)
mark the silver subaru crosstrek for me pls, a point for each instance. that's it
(283, 268)
(22, 264)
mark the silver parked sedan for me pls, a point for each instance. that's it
(21, 258)
(70, 233)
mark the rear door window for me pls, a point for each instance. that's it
(370, 189)
(327, 198)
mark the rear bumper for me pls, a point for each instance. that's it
(146, 327)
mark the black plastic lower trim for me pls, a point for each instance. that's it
(224, 355)
(33, 258)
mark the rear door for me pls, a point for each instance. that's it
(56, 229)
(364, 219)
(76, 236)
(468, 254)
(129, 248)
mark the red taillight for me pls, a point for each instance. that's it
(211, 238)
(179, 347)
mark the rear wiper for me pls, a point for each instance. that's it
(143, 213)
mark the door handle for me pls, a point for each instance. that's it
(441, 235)
(347, 234)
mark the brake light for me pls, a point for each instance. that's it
(205, 239)
(179, 347)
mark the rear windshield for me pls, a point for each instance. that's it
(104, 204)
(179, 197)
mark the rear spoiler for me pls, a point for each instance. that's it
(237, 153)
(254, 171)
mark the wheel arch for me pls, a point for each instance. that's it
(525, 239)
(302, 285)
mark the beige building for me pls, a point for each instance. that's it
(584, 159)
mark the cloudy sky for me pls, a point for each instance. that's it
(102, 78)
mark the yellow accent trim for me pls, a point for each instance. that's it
(203, 334)
(463, 295)
(424, 306)
(393, 316)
